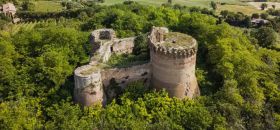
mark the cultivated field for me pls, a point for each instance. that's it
(47, 6)
(14, 28)
(201, 3)
(258, 4)
(246, 9)
(231, 5)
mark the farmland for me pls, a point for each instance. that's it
(13, 29)
(189, 3)
(47, 6)
(246, 9)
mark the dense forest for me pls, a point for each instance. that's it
(238, 71)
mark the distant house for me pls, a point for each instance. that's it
(259, 21)
(8, 9)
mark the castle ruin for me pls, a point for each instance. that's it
(172, 66)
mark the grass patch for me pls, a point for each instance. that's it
(245, 9)
(127, 60)
(175, 39)
(15, 28)
(47, 6)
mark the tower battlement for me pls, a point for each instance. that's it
(173, 52)
(172, 44)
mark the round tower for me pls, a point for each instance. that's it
(173, 59)
(88, 86)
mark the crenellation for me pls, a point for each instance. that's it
(173, 52)
(173, 57)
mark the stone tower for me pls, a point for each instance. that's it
(173, 59)
(88, 86)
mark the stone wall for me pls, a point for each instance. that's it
(104, 43)
(156, 35)
(121, 46)
(92, 83)
(123, 76)
(102, 34)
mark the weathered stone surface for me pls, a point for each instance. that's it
(104, 44)
(123, 45)
(172, 65)
(123, 76)
(173, 69)
(88, 86)
(102, 34)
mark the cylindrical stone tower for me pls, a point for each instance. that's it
(173, 59)
(88, 86)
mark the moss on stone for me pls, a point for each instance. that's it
(89, 70)
(175, 39)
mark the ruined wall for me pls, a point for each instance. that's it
(121, 46)
(104, 43)
(101, 41)
(156, 35)
(173, 69)
(102, 34)
(123, 76)
(88, 86)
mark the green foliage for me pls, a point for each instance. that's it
(255, 16)
(263, 6)
(264, 15)
(64, 116)
(266, 36)
(154, 110)
(213, 5)
(21, 114)
(28, 6)
(126, 60)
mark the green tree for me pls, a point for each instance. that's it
(273, 6)
(169, 1)
(255, 16)
(28, 6)
(21, 114)
(264, 15)
(213, 5)
(224, 13)
(263, 6)
(266, 36)
(65, 116)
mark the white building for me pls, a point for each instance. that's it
(8, 9)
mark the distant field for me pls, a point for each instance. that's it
(201, 3)
(246, 9)
(47, 6)
(269, 4)
(232, 5)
